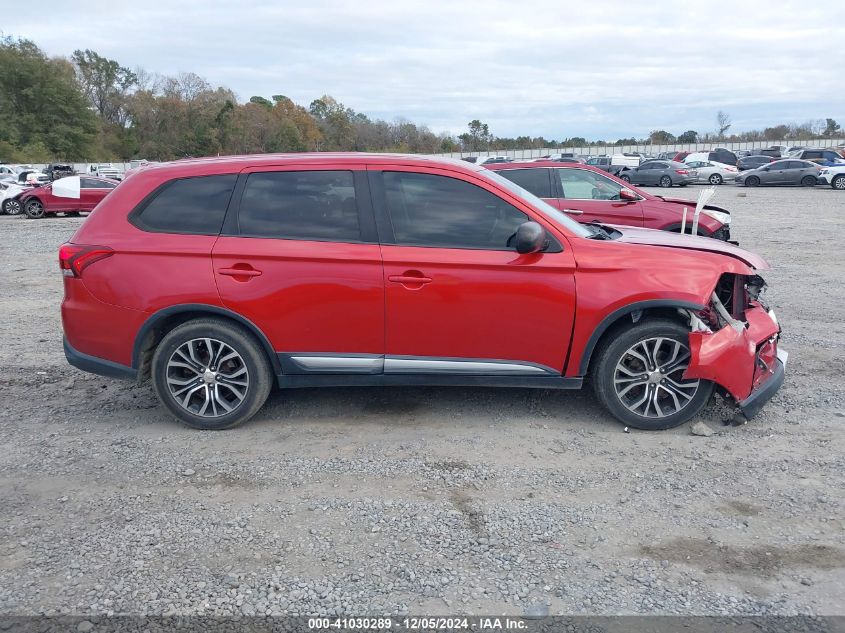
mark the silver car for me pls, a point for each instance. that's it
(714, 173)
(781, 172)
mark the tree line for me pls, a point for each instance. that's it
(90, 108)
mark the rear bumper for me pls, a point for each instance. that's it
(752, 404)
(95, 365)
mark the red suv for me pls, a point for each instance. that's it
(589, 194)
(220, 278)
(67, 195)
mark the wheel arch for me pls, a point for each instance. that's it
(617, 318)
(161, 322)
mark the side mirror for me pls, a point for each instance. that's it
(530, 238)
(627, 194)
(767, 168)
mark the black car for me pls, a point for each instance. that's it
(58, 170)
(753, 162)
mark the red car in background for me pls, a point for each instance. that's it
(589, 194)
(40, 201)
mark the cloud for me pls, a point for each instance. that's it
(555, 69)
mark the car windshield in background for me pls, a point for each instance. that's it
(545, 208)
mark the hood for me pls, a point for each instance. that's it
(690, 204)
(653, 237)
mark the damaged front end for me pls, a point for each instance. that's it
(734, 343)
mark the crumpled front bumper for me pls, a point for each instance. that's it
(743, 359)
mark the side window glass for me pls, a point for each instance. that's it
(188, 205)
(580, 184)
(534, 180)
(431, 210)
(300, 205)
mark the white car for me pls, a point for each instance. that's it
(9, 194)
(105, 170)
(712, 172)
(833, 176)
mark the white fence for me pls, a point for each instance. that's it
(609, 150)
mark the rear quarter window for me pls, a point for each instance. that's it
(194, 206)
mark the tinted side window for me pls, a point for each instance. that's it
(429, 210)
(536, 181)
(300, 205)
(188, 205)
(811, 154)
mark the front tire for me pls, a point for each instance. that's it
(838, 182)
(665, 182)
(625, 177)
(715, 179)
(752, 181)
(34, 209)
(638, 376)
(12, 207)
(211, 374)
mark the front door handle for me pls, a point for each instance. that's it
(573, 211)
(244, 271)
(410, 278)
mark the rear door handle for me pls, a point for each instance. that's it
(409, 279)
(240, 272)
(573, 211)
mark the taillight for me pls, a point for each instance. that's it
(730, 168)
(683, 172)
(74, 258)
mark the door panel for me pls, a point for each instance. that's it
(320, 295)
(308, 296)
(496, 305)
(454, 309)
(584, 191)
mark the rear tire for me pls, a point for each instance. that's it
(808, 181)
(838, 182)
(211, 374)
(620, 379)
(34, 209)
(715, 179)
(752, 181)
(665, 182)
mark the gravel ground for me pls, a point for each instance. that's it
(426, 500)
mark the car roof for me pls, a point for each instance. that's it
(230, 164)
(543, 165)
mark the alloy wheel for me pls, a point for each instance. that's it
(34, 209)
(12, 207)
(665, 181)
(648, 379)
(207, 377)
(839, 183)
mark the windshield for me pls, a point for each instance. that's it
(556, 216)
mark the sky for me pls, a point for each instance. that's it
(602, 69)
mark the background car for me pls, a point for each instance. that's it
(833, 176)
(753, 162)
(38, 202)
(718, 155)
(590, 195)
(714, 173)
(825, 157)
(781, 172)
(105, 170)
(58, 170)
(663, 173)
(10, 192)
